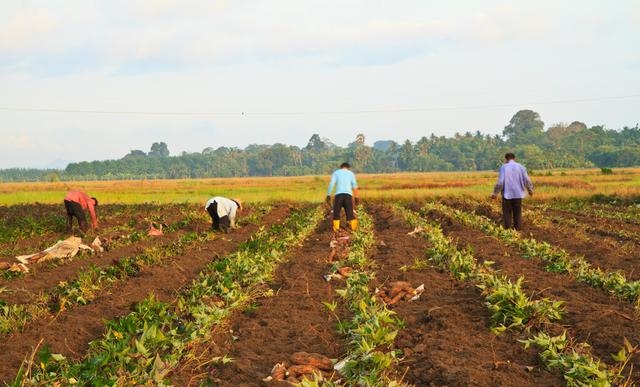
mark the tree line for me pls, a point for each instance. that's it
(560, 146)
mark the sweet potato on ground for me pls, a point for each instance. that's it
(314, 359)
(399, 286)
(344, 271)
(279, 372)
(299, 370)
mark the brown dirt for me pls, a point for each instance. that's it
(46, 275)
(618, 232)
(113, 219)
(71, 331)
(446, 340)
(599, 250)
(292, 320)
(591, 315)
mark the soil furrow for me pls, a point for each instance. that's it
(446, 340)
(70, 333)
(615, 231)
(293, 319)
(598, 250)
(110, 226)
(591, 315)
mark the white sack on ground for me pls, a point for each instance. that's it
(67, 248)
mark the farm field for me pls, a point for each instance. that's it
(556, 304)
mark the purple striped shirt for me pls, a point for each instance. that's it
(512, 181)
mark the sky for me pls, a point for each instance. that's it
(93, 80)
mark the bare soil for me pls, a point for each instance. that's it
(69, 333)
(445, 339)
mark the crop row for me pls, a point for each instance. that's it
(373, 327)
(144, 346)
(93, 280)
(558, 260)
(629, 214)
(546, 221)
(127, 235)
(22, 221)
(89, 283)
(511, 309)
(46, 226)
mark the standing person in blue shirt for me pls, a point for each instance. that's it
(512, 181)
(344, 181)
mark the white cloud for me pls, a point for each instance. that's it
(20, 142)
(282, 56)
(25, 29)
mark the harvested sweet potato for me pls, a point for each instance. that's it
(398, 286)
(397, 297)
(344, 271)
(298, 370)
(331, 255)
(383, 296)
(278, 372)
(314, 359)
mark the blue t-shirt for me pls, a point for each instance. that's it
(344, 181)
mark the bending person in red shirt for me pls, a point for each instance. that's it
(76, 202)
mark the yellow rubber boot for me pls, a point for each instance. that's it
(336, 225)
(354, 224)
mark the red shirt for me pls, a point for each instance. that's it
(85, 202)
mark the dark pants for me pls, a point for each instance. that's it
(343, 201)
(75, 210)
(512, 213)
(218, 223)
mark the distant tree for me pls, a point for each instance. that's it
(135, 153)
(406, 156)
(159, 149)
(525, 127)
(316, 144)
(384, 145)
(562, 146)
(561, 130)
(576, 126)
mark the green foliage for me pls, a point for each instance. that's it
(143, 347)
(573, 146)
(579, 367)
(511, 308)
(373, 328)
(557, 260)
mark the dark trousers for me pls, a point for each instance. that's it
(512, 213)
(218, 223)
(75, 210)
(343, 201)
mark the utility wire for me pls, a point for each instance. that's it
(335, 112)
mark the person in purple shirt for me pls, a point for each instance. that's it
(512, 182)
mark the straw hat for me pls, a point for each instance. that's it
(238, 202)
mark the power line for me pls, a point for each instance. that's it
(330, 112)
